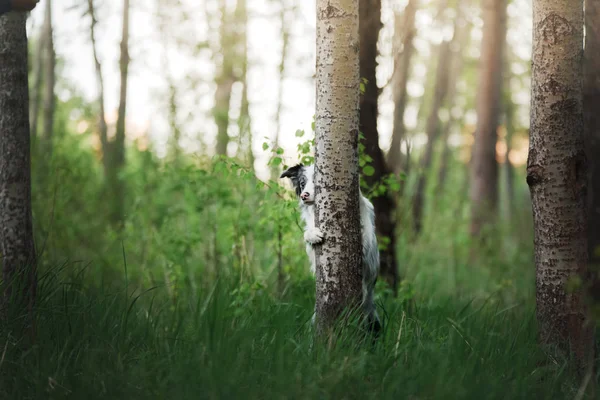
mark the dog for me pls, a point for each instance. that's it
(302, 178)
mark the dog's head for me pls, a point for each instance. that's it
(302, 179)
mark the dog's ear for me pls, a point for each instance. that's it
(292, 172)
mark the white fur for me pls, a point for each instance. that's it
(370, 252)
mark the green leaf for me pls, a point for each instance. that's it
(299, 133)
(368, 170)
(276, 161)
(279, 151)
(265, 145)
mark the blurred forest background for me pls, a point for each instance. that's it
(171, 257)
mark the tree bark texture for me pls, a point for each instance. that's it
(591, 108)
(433, 130)
(49, 79)
(404, 33)
(556, 175)
(16, 231)
(102, 127)
(385, 205)
(339, 257)
(484, 167)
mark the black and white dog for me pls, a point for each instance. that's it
(302, 178)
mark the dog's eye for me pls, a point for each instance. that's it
(302, 181)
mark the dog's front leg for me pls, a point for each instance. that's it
(312, 234)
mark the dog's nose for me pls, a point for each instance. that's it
(304, 195)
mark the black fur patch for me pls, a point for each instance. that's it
(295, 173)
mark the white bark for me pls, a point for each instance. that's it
(338, 259)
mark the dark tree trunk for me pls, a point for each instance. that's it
(484, 167)
(557, 178)
(117, 158)
(102, 127)
(16, 231)
(403, 51)
(433, 130)
(591, 109)
(49, 79)
(460, 41)
(385, 206)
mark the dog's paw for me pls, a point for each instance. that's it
(313, 236)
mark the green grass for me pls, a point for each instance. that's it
(197, 314)
(230, 344)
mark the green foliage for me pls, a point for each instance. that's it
(185, 301)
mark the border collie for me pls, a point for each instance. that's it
(302, 178)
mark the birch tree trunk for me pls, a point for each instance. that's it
(385, 206)
(556, 175)
(403, 51)
(16, 231)
(338, 259)
(49, 79)
(484, 167)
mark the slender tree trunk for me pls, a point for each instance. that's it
(16, 231)
(404, 33)
(484, 167)
(339, 257)
(36, 93)
(118, 147)
(102, 127)
(163, 23)
(285, 38)
(556, 175)
(591, 107)
(244, 121)
(49, 79)
(433, 130)
(385, 206)
(224, 80)
(460, 41)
